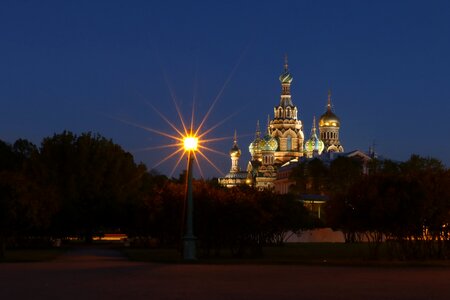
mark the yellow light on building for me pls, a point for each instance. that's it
(190, 143)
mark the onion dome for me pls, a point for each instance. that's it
(268, 143)
(329, 119)
(235, 151)
(286, 77)
(255, 145)
(314, 144)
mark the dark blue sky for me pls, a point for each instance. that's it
(71, 65)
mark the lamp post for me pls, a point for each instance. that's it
(189, 249)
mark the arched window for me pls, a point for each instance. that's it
(289, 143)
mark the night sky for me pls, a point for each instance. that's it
(84, 65)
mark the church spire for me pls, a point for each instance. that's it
(313, 129)
(286, 79)
(235, 153)
(329, 125)
(286, 67)
(329, 100)
(258, 131)
(268, 124)
(314, 146)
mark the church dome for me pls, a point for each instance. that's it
(268, 143)
(254, 146)
(235, 151)
(329, 119)
(314, 144)
(286, 77)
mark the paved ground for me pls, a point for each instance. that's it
(103, 274)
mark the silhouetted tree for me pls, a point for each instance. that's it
(408, 203)
(344, 172)
(25, 206)
(311, 177)
(94, 178)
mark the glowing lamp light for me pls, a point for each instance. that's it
(190, 143)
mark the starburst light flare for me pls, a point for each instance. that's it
(190, 143)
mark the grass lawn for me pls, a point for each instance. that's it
(288, 253)
(31, 255)
(330, 254)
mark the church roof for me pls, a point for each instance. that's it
(286, 77)
(329, 118)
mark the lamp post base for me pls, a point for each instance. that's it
(189, 247)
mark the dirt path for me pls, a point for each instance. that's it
(93, 273)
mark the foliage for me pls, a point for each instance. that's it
(25, 205)
(406, 203)
(95, 179)
(241, 220)
(312, 177)
(85, 185)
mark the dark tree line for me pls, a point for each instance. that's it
(406, 204)
(237, 220)
(85, 185)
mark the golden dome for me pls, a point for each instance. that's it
(235, 151)
(329, 119)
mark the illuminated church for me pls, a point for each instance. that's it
(283, 141)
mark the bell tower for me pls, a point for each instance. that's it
(329, 126)
(285, 126)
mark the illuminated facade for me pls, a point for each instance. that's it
(329, 125)
(285, 127)
(314, 146)
(235, 177)
(284, 141)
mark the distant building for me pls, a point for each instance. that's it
(329, 125)
(235, 177)
(283, 144)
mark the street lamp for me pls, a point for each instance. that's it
(189, 249)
